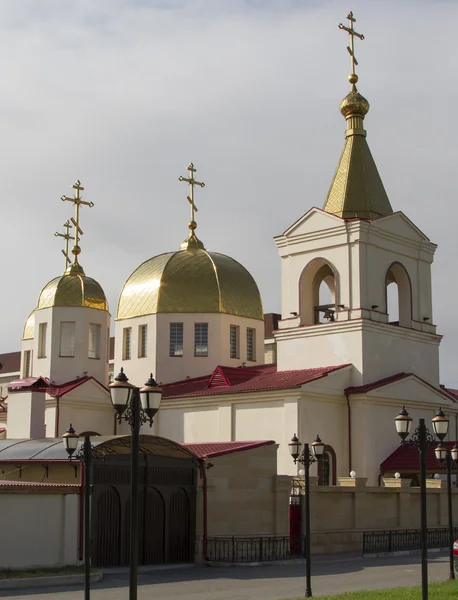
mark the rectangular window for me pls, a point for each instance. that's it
(142, 340)
(234, 341)
(176, 339)
(42, 331)
(201, 339)
(67, 338)
(127, 343)
(27, 363)
(94, 340)
(250, 344)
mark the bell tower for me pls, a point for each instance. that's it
(341, 265)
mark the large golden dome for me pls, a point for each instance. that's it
(73, 288)
(190, 280)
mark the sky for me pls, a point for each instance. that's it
(124, 94)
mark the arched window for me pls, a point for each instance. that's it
(327, 467)
(398, 296)
(318, 292)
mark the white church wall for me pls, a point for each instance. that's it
(137, 368)
(45, 532)
(325, 416)
(26, 415)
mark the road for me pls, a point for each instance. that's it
(331, 575)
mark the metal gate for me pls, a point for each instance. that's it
(167, 508)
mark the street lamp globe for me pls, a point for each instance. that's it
(150, 397)
(120, 392)
(70, 440)
(454, 452)
(441, 453)
(403, 423)
(440, 424)
(318, 447)
(294, 447)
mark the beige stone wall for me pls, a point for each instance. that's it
(339, 515)
(245, 496)
(38, 529)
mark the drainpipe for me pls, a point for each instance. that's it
(349, 430)
(203, 471)
(56, 428)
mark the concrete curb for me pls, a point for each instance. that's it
(404, 553)
(264, 563)
(40, 582)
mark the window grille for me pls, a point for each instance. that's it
(250, 344)
(201, 339)
(42, 332)
(127, 343)
(94, 341)
(234, 341)
(176, 339)
(142, 340)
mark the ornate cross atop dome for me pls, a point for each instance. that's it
(353, 77)
(67, 226)
(191, 241)
(77, 200)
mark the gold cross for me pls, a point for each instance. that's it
(77, 201)
(192, 182)
(67, 225)
(351, 48)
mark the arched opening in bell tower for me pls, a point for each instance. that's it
(318, 292)
(398, 296)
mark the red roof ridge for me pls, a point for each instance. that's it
(41, 384)
(368, 387)
(213, 449)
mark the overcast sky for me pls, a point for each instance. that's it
(124, 94)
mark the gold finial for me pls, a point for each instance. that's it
(353, 77)
(192, 182)
(67, 226)
(77, 201)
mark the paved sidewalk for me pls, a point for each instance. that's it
(331, 575)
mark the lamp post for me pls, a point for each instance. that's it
(86, 455)
(446, 456)
(306, 458)
(136, 406)
(422, 438)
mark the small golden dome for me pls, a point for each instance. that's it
(29, 327)
(190, 280)
(354, 104)
(73, 289)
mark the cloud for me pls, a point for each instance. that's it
(124, 94)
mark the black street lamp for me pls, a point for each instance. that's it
(86, 455)
(136, 406)
(422, 438)
(306, 458)
(446, 456)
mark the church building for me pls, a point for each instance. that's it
(341, 368)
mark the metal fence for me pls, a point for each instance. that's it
(384, 542)
(254, 548)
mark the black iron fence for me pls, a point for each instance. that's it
(248, 549)
(384, 542)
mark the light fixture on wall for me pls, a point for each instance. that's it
(426, 319)
(374, 306)
(294, 313)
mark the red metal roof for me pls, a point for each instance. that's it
(10, 362)
(230, 380)
(406, 458)
(40, 384)
(363, 389)
(213, 449)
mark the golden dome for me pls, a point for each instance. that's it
(190, 280)
(354, 104)
(73, 289)
(29, 327)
